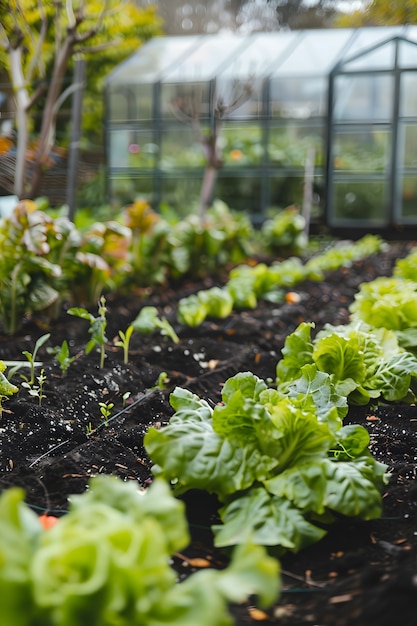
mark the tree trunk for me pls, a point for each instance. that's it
(22, 102)
(49, 115)
(207, 187)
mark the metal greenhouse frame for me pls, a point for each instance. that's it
(341, 101)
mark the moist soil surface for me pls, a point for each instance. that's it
(360, 574)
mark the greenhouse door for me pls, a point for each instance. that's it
(372, 139)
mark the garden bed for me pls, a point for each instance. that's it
(361, 573)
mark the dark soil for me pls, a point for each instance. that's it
(360, 574)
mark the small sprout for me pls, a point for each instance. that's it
(97, 328)
(89, 429)
(125, 396)
(62, 355)
(124, 342)
(105, 410)
(37, 390)
(162, 381)
(31, 357)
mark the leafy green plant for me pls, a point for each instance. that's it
(364, 363)
(27, 276)
(284, 232)
(106, 562)
(283, 465)
(389, 302)
(62, 355)
(148, 320)
(97, 328)
(6, 387)
(213, 302)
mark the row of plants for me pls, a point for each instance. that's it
(277, 453)
(247, 284)
(47, 260)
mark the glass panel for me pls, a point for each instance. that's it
(316, 53)
(147, 63)
(185, 102)
(130, 102)
(181, 148)
(131, 148)
(381, 58)
(241, 145)
(240, 193)
(364, 149)
(298, 98)
(125, 189)
(288, 190)
(359, 203)
(409, 198)
(364, 97)
(407, 54)
(262, 55)
(408, 94)
(204, 62)
(367, 38)
(290, 144)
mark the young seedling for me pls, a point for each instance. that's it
(124, 342)
(31, 357)
(105, 410)
(97, 328)
(125, 397)
(6, 387)
(62, 355)
(37, 390)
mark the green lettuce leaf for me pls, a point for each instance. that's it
(266, 520)
(297, 351)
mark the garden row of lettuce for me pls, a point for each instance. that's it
(47, 260)
(279, 457)
(247, 284)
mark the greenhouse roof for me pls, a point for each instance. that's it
(284, 53)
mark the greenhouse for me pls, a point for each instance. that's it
(323, 119)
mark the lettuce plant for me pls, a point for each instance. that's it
(282, 464)
(106, 562)
(389, 302)
(214, 302)
(365, 364)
